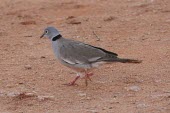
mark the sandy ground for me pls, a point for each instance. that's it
(31, 78)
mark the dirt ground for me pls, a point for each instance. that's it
(31, 79)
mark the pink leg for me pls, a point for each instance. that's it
(87, 76)
(72, 83)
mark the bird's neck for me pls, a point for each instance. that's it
(56, 37)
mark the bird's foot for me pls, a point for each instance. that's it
(87, 77)
(73, 83)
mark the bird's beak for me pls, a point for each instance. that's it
(42, 35)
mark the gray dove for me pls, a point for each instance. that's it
(79, 56)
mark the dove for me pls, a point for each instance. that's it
(79, 56)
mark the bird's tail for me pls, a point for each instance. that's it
(124, 60)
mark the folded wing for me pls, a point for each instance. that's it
(79, 53)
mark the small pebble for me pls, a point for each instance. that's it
(28, 22)
(28, 67)
(109, 18)
(74, 22)
(92, 111)
(134, 88)
(141, 105)
(70, 17)
(110, 107)
(12, 94)
(20, 83)
(42, 98)
(88, 98)
(2, 94)
(82, 94)
(43, 57)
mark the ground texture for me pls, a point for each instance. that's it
(31, 78)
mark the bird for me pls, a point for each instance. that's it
(79, 56)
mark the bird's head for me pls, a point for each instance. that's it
(50, 32)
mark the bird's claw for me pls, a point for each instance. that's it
(71, 84)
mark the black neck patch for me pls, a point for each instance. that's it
(56, 37)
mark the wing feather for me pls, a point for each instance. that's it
(79, 53)
(74, 52)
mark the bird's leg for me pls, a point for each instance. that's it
(73, 82)
(87, 77)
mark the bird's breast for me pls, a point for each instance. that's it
(56, 47)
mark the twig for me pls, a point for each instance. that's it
(98, 39)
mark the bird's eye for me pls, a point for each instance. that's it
(46, 32)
